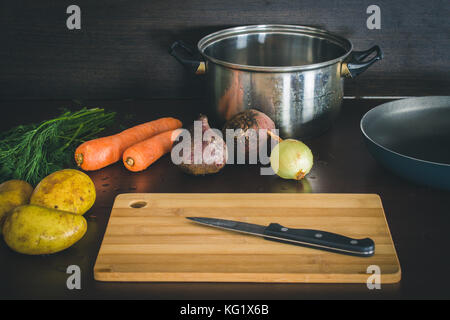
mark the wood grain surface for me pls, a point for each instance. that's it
(121, 50)
(148, 238)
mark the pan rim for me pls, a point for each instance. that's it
(363, 120)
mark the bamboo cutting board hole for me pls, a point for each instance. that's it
(138, 204)
(148, 238)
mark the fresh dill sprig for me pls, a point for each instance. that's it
(31, 152)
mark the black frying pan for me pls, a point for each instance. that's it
(411, 137)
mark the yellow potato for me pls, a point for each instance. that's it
(13, 193)
(37, 230)
(68, 190)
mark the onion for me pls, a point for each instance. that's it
(291, 159)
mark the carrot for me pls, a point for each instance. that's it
(99, 153)
(141, 155)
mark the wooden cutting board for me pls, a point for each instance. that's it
(149, 239)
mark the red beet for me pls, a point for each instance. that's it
(212, 152)
(250, 119)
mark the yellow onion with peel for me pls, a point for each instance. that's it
(291, 159)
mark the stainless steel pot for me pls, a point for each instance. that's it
(294, 74)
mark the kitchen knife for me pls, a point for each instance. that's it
(302, 237)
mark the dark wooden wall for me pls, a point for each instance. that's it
(121, 49)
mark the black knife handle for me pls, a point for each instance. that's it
(320, 240)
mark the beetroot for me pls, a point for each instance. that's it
(250, 119)
(204, 153)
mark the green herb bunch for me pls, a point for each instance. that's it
(31, 152)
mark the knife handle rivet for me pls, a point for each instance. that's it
(284, 229)
(354, 242)
(318, 235)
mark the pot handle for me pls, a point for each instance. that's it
(357, 64)
(193, 63)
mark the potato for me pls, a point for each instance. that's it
(13, 193)
(68, 190)
(36, 230)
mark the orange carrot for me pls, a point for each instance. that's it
(141, 155)
(101, 152)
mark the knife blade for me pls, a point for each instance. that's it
(315, 239)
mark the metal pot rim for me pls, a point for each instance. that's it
(215, 37)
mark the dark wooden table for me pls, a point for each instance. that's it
(419, 217)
